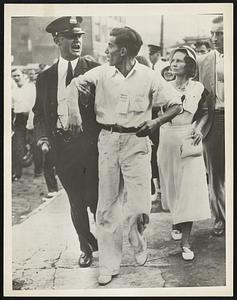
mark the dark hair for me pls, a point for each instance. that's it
(142, 60)
(190, 64)
(217, 20)
(16, 69)
(128, 38)
(200, 43)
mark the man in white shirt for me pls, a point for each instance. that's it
(76, 159)
(125, 94)
(23, 97)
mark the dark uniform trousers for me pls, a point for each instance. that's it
(214, 154)
(77, 169)
(76, 159)
(154, 137)
(19, 143)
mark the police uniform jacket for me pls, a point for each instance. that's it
(45, 109)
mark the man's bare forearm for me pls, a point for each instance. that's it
(150, 126)
(170, 113)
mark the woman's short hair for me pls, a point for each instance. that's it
(128, 38)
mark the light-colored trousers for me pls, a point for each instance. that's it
(122, 158)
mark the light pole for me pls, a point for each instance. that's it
(162, 35)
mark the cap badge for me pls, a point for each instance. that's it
(73, 20)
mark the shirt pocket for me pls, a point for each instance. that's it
(139, 103)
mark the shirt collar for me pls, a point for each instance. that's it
(134, 68)
(219, 55)
(64, 63)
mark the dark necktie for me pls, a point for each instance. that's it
(69, 73)
(153, 67)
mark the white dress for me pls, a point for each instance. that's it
(184, 179)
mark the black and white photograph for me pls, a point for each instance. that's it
(118, 150)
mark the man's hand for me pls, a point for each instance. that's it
(45, 147)
(83, 86)
(74, 123)
(147, 127)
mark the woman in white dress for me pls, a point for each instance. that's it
(185, 177)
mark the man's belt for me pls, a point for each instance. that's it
(118, 128)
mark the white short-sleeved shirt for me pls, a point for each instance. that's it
(127, 101)
(23, 98)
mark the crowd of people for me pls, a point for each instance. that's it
(24, 147)
(126, 138)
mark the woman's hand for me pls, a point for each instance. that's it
(197, 136)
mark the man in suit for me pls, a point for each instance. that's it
(76, 159)
(211, 74)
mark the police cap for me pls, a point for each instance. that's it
(65, 25)
(154, 48)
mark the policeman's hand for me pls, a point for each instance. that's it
(74, 123)
(45, 148)
(83, 86)
(146, 128)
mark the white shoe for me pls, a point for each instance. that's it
(141, 258)
(104, 279)
(187, 253)
(176, 234)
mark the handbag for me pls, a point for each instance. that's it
(188, 149)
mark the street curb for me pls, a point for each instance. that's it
(40, 207)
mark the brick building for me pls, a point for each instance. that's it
(31, 44)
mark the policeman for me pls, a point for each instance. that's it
(154, 54)
(76, 159)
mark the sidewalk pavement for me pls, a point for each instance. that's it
(46, 251)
